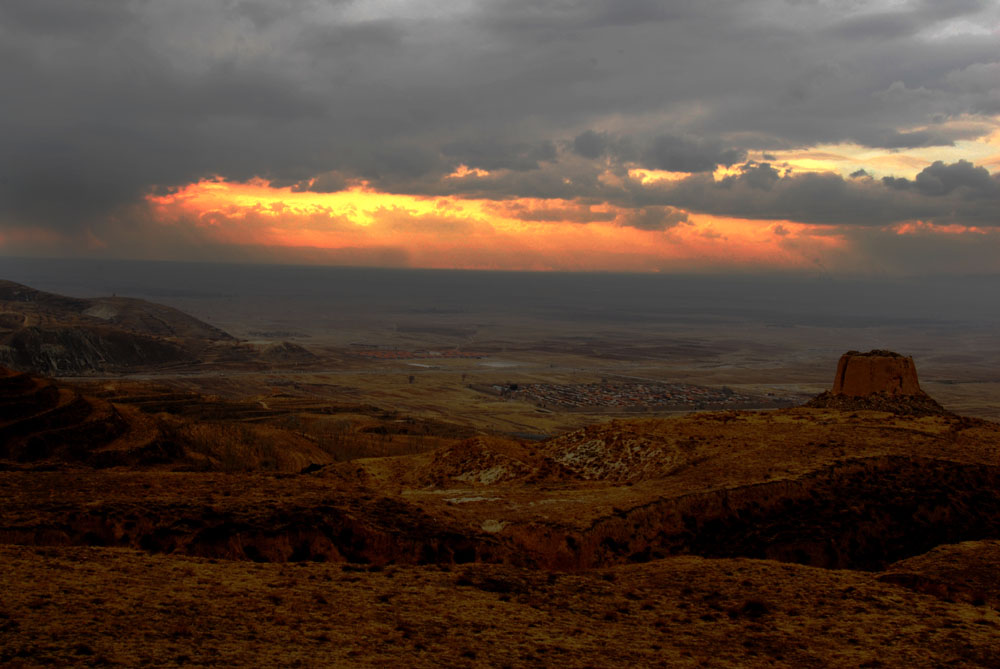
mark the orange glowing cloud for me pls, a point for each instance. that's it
(463, 171)
(645, 176)
(451, 232)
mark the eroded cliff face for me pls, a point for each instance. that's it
(863, 374)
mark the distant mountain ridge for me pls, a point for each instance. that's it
(40, 308)
(54, 334)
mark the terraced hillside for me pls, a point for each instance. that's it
(41, 421)
(49, 425)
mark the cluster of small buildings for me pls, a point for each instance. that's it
(396, 354)
(628, 395)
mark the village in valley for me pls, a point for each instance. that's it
(386, 353)
(633, 396)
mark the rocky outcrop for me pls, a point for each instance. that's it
(862, 374)
(877, 381)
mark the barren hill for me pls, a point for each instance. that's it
(40, 309)
(87, 606)
(53, 334)
(820, 487)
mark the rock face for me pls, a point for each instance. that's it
(862, 374)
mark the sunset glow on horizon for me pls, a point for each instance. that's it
(462, 233)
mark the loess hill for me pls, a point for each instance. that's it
(859, 531)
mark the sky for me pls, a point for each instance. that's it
(837, 137)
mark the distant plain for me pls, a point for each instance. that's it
(757, 334)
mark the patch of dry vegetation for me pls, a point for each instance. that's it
(964, 572)
(89, 606)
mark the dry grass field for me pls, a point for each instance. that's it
(120, 607)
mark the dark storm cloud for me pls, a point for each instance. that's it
(575, 215)
(685, 154)
(673, 153)
(654, 218)
(604, 145)
(941, 179)
(55, 17)
(105, 101)
(491, 154)
(911, 140)
(590, 144)
(328, 182)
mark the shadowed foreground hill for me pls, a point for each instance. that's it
(104, 606)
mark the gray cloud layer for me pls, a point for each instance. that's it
(959, 193)
(105, 100)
